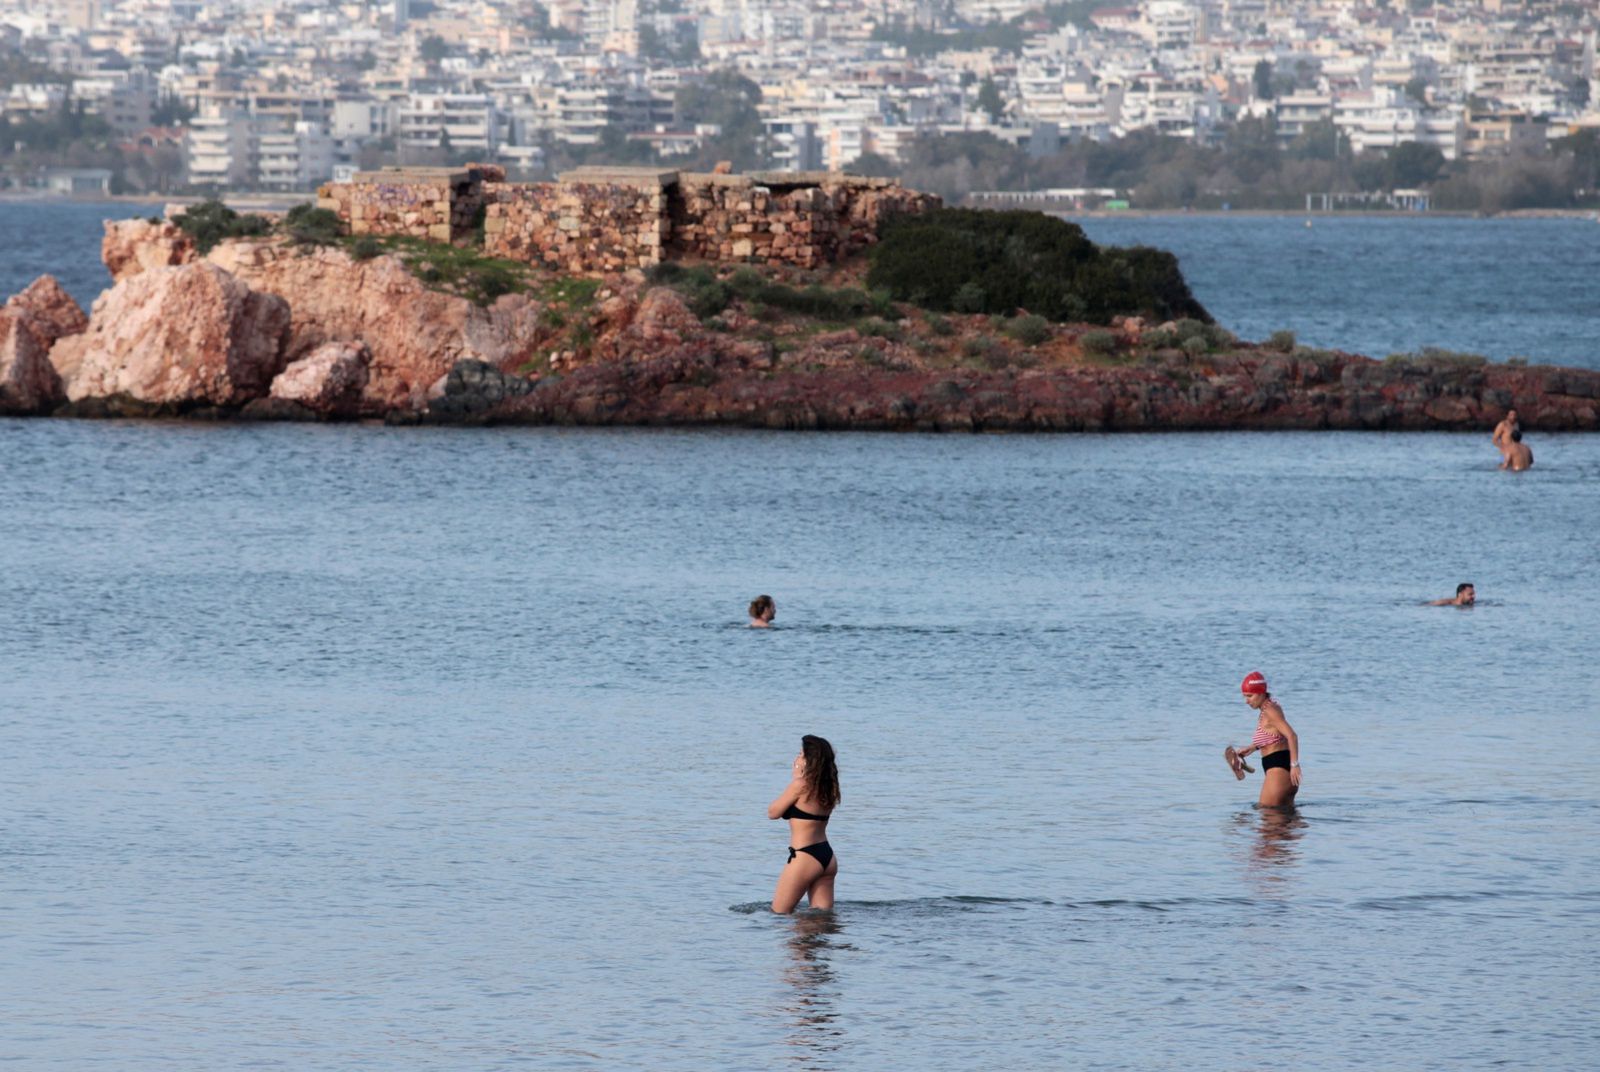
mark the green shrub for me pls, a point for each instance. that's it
(1196, 345)
(882, 329)
(1219, 337)
(967, 298)
(211, 222)
(462, 271)
(707, 295)
(1160, 340)
(979, 347)
(308, 225)
(365, 247)
(940, 325)
(1517, 362)
(572, 291)
(1189, 328)
(1099, 343)
(1029, 330)
(1282, 340)
(966, 260)
(704, 294)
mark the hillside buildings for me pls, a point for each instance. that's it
(277, 94)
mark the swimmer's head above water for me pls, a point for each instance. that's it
(1466, 595)
(762, 611)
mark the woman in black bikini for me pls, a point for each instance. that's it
(810, 798)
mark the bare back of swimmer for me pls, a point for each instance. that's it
(1519, 455)
(807, 803)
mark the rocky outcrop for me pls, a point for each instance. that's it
(133, 246)
(328, 381)
(730, 383)
(262, 328)
(177, 338)
(50, 311)
(30, 323)
(414, 335)
(29, 384)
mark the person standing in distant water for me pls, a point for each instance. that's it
(1277, 742)
(1466, 596)
(1503, 430)
(811, 796)
(762, 611)
(1519, 455)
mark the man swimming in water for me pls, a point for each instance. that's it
(1466, 596)
(1519, 455)
(1503, 430)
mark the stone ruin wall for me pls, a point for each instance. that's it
(800, 218)
(577, 226)
(437, 204)
(611, 219)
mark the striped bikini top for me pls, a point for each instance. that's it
(1264, 737)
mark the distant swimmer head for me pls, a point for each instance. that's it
(821, 772)
(762, 610)
(1253, 685)
(1466, 594)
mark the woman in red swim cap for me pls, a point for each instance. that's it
(1277, 742)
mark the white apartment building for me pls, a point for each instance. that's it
(1384, 118)
(216, 150)
(1300, 110)
(463, 121)
(362, 118)
(1170, 24)
(296, 159)
(33, 101)
(124, 99)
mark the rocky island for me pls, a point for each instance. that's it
(639, 297)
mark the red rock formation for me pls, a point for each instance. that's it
(29, 384)
(328, 381)
(50, 310)
(133, 246)
(177, 337)
(415, 335)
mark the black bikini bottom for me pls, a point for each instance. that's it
(1278, 760)
(821, 850)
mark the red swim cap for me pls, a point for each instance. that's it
(1254, 684)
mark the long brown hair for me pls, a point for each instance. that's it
(822, 773)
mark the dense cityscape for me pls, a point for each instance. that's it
(1476, 104)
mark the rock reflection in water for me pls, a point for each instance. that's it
(810, 972)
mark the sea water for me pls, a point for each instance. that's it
(361, 748)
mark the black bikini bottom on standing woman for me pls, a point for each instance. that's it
(1276, 761)
(821, 850)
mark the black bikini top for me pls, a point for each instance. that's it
(793, 812)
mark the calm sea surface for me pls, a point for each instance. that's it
(1372, 285)
(357, 748)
